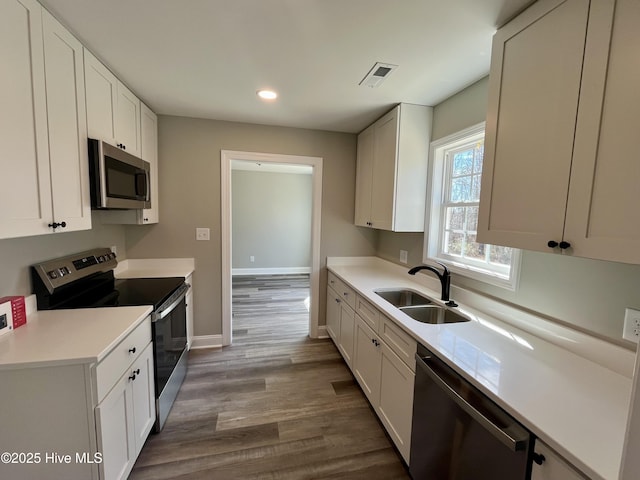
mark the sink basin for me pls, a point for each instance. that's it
(434, 314)
(403, 298)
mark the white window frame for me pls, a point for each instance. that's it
(434, 220)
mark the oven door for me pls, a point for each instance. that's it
(169, 341)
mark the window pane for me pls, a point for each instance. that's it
(472, 219)
(500, 255)
(478, 158)
(475, 188)
(463, 163)
(460, 189)
(453, 243)
(474, 249)
(455, 218)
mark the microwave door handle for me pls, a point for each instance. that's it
(141, 184)
(147, 186)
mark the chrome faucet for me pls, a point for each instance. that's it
(444, 277)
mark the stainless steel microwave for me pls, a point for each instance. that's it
(119, 180)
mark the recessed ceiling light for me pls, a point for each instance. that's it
(267, 94)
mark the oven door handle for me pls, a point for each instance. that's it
(175, 299)
(512, 436)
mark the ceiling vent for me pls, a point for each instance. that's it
(377, 74)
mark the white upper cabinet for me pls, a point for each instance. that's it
(67, 122)
(113, 111)
(149, 153)
(42, 126)
(560, 173)
(128, 121)
(102, 98)
(391, 177)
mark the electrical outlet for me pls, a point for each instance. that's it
(252, 259)
(114, 249)
(202, 234)
(404, 256)
(631, 325)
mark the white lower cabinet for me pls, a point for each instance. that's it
(553, 467)
(125, 417)
(380, 355)
(99, 415)
(340, 323)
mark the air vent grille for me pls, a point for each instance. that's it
(377, 74)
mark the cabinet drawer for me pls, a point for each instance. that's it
(368, 313)
(399, 341)
(126, 352)
(345, 292)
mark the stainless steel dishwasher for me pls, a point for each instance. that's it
(460, 434)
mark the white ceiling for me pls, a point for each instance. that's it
(207, 58)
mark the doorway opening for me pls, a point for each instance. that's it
(250, 269)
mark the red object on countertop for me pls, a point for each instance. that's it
(18, 310)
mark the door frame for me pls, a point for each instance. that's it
(226, 156)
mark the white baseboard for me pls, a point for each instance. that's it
(270, 271)
(322, 331)
(206, 341)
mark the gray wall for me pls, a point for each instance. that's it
(271, 219)
(17, 254)
(189, 165)
(590, 295)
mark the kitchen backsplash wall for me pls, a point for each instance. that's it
(189, 166)
(17, 254)
(588, 294)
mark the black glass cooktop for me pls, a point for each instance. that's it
(145, 291)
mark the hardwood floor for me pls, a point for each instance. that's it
(274, 405)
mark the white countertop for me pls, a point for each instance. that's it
(155, 268)
(60, 337)
(576, 406)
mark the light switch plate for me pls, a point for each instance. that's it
(404, 256)
(631, 325)
(203, 234)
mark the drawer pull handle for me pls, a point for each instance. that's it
(132, 350)
(538, 458)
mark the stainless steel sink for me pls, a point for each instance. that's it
(434, 314)
(404, 298)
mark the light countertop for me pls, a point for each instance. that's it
(61, 337)
(155, 268)
(576, 406)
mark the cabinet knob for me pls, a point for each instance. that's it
(56, 224)
(338, 300)
(552, 244)
(564, 245)
(538, 458)
(132, 350)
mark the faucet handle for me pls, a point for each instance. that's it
(445, 269)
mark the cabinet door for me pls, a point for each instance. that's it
(143, 398)
(553, 467)
(366, 361)
(149, 153)
(396, 399)
(25, 196)
(347, 326)
(67, 125)
(128, 120)
(384, 171)
(333, 315)
(101, 96)
(602, 212)
(364, 172)
(114, 425)
(536, 68)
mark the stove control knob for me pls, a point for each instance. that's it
(52, 274)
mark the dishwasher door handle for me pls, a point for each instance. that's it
(513, 436)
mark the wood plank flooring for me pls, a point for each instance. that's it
(274, 405)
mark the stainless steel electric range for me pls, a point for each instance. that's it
(86, 280)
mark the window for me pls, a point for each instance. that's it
(453, 214)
